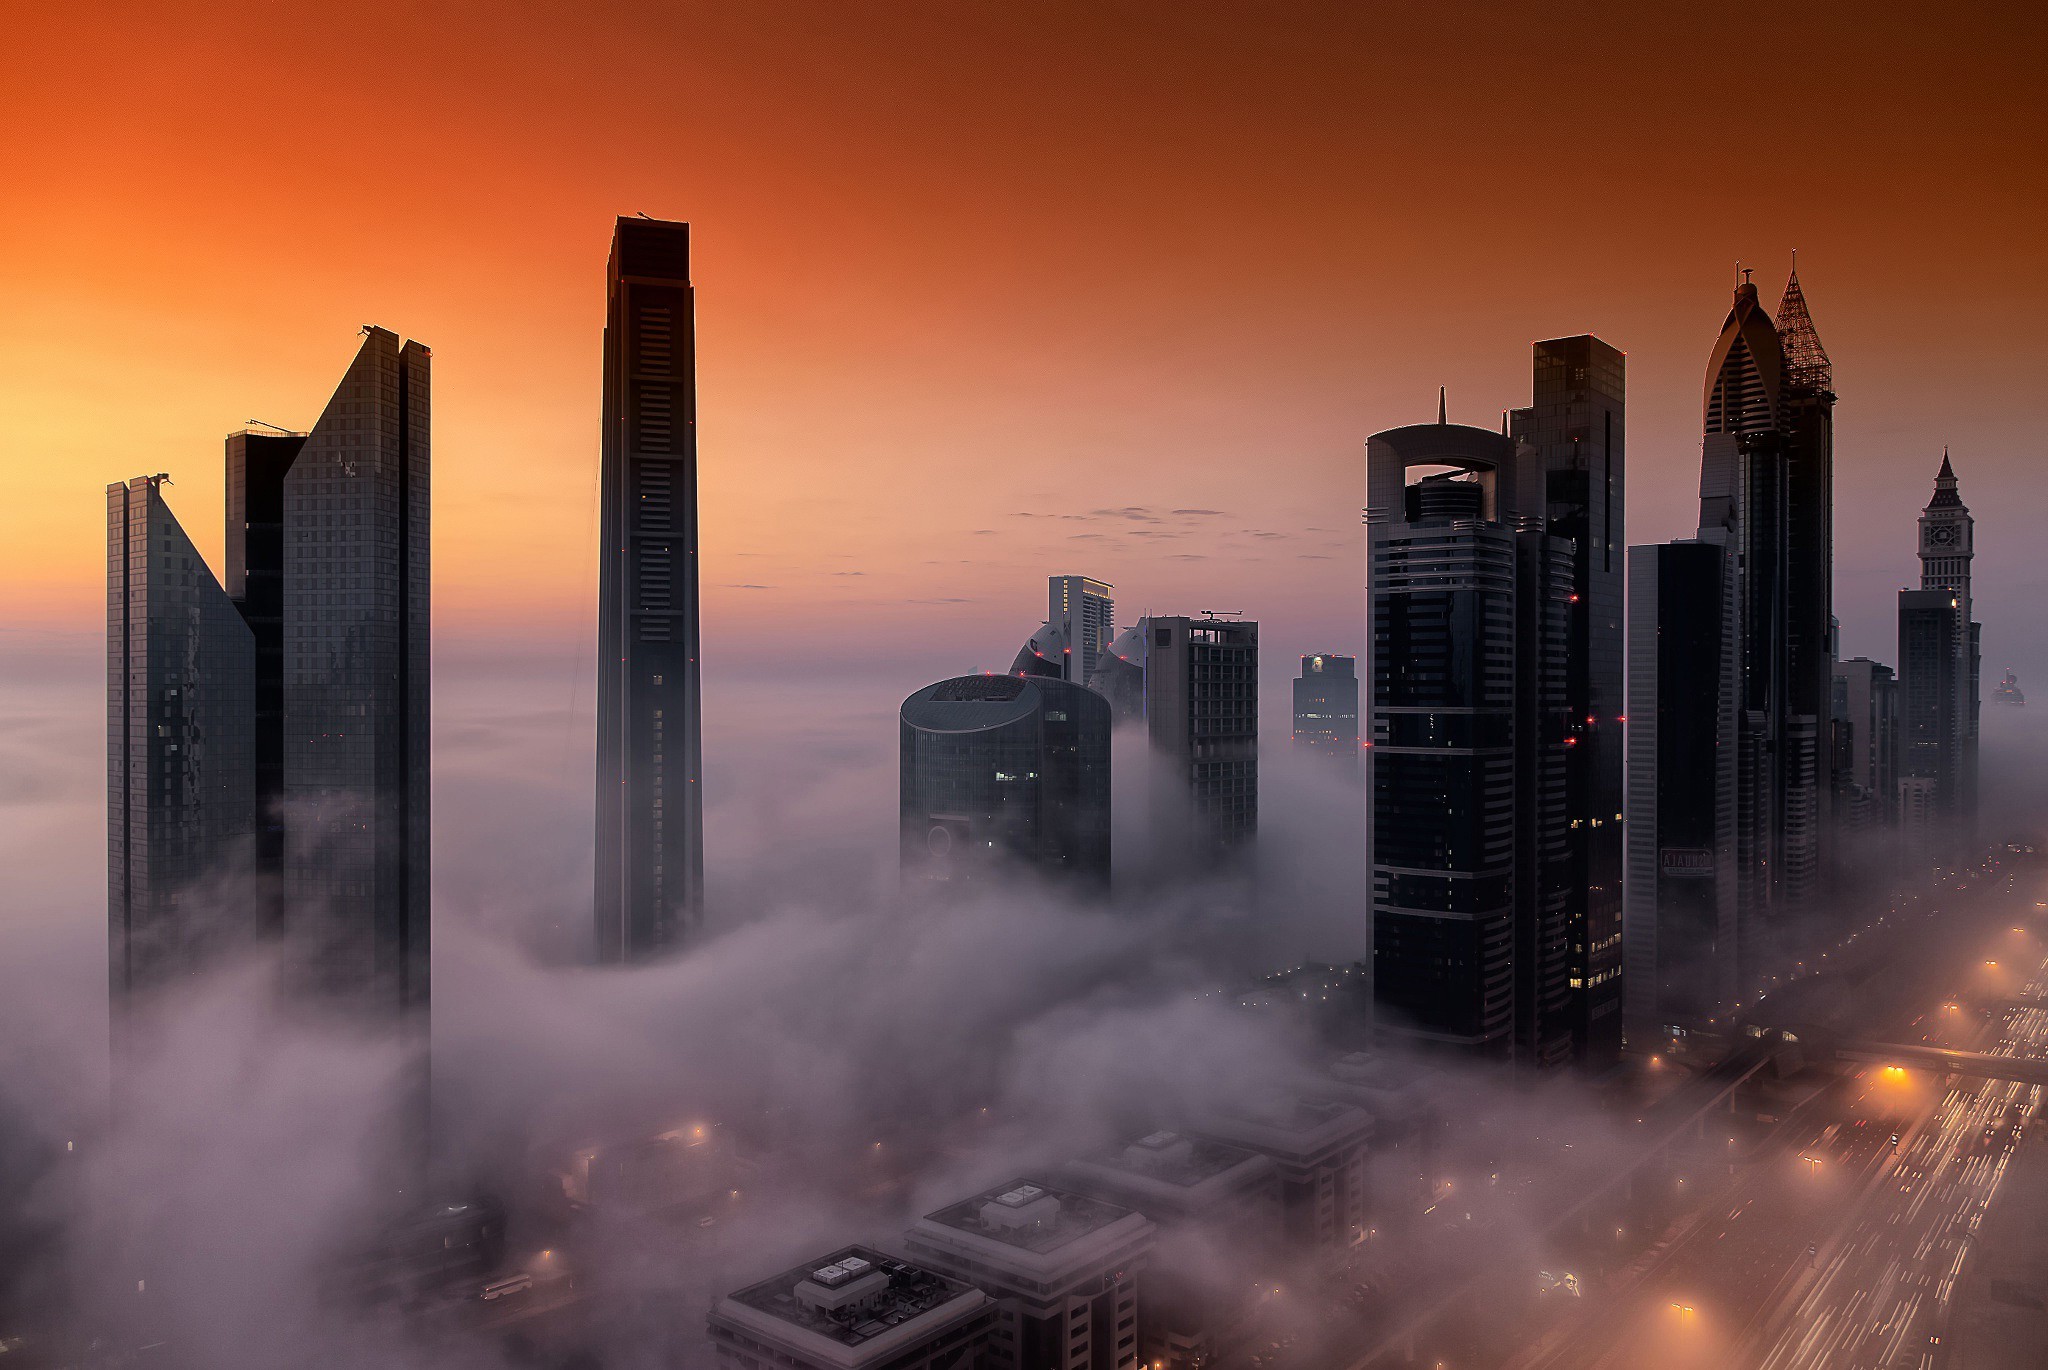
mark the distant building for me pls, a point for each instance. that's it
(1119, 673)
(1865, 744)
(649, 892)
(1320, 1147)
(1202, 716)
(1218, 1212)
(1003, 768)
(1470, 865)
(1326, 707)
(2008, 690)
(1577, 422)
(1939, 666)
(1064, 1269)
(1080, 620)
(1682, 891)
(856, 1309)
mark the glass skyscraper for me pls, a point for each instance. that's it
(650, 804)
(1326, 707)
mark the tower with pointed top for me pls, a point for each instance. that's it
(1767, 499)
(1939, 661)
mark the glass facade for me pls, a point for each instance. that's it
(1001, 769)
(650, 817)
(1326, 707)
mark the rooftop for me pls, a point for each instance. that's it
(1175, 1159)
(1030, 1216)
(878, 1294)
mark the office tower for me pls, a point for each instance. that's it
(1004, 768)
(1320, 1148)
(1576, 421)
(355, 576)
(1947, 546)
(1063, 1268)
(1080, 620)
(320, 679)
(1766, 494)
(1218, 1213)
(1469, 602)
(1680, 904)
(1202, 717)
(1326, 707)
(650, 804)
(1865, 744)
(2008, 691)
(856, 1309)
(180, 750)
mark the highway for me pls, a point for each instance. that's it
(1837, 1247)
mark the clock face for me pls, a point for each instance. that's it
(1942, 535)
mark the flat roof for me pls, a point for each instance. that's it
(1205, 1159)
(913, 1290)
(1079, 1216)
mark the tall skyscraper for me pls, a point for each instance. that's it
(1680, 906)
(291, 707)
(1202, 716)
(181, 787)
(1326, 708)
(1942, 745)
(1864, 745)
(1577, 422)
(1080, 620)
(1766, 495)
(650, 804)
(1003, 768)
(1469, 606)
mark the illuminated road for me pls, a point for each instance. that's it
(1840, 1249)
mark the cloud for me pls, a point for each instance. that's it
(1202, 513)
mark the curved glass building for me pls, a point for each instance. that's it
(1005, 768)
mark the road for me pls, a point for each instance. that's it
(1838, 1247)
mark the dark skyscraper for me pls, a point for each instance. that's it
(1005, 768)
(1864, 744)
(181, 786)
(1326, 707)
(1576, 421)
(1469, 618)
(1766, 491)
(1202, 716)
(1680, 906)
(299, 722)
(650, 809)
(1939, 660)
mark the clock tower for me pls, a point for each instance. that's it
(1946, 530)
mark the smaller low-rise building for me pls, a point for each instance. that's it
(856, 1309)
(1062, 1266)
(1319, 1147)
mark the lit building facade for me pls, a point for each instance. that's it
(1326, 707)
(1468, 844)
(650, 804)
(1005, 769)
(1577, 423)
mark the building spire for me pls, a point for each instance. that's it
(1945, 493)
(1806, 361)
(1441, 409)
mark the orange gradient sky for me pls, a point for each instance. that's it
(970, 272)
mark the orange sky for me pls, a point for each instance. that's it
(963, 262)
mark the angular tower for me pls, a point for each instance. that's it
(1939, 662)
(650, 808)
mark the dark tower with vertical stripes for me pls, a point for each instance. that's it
(650, 812)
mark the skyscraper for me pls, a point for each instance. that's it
(1940, 717)
(289, 710)
(1080, 620)
(1469, 602)
(1680, 904)
(1326, 708)
(1202, 717)
(1002, 768)
(180, 747)
(1577, 422)
(1766, 493)
(650, 807)
(1864, 744)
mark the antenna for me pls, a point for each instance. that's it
(261, 423)
(1440, 405)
